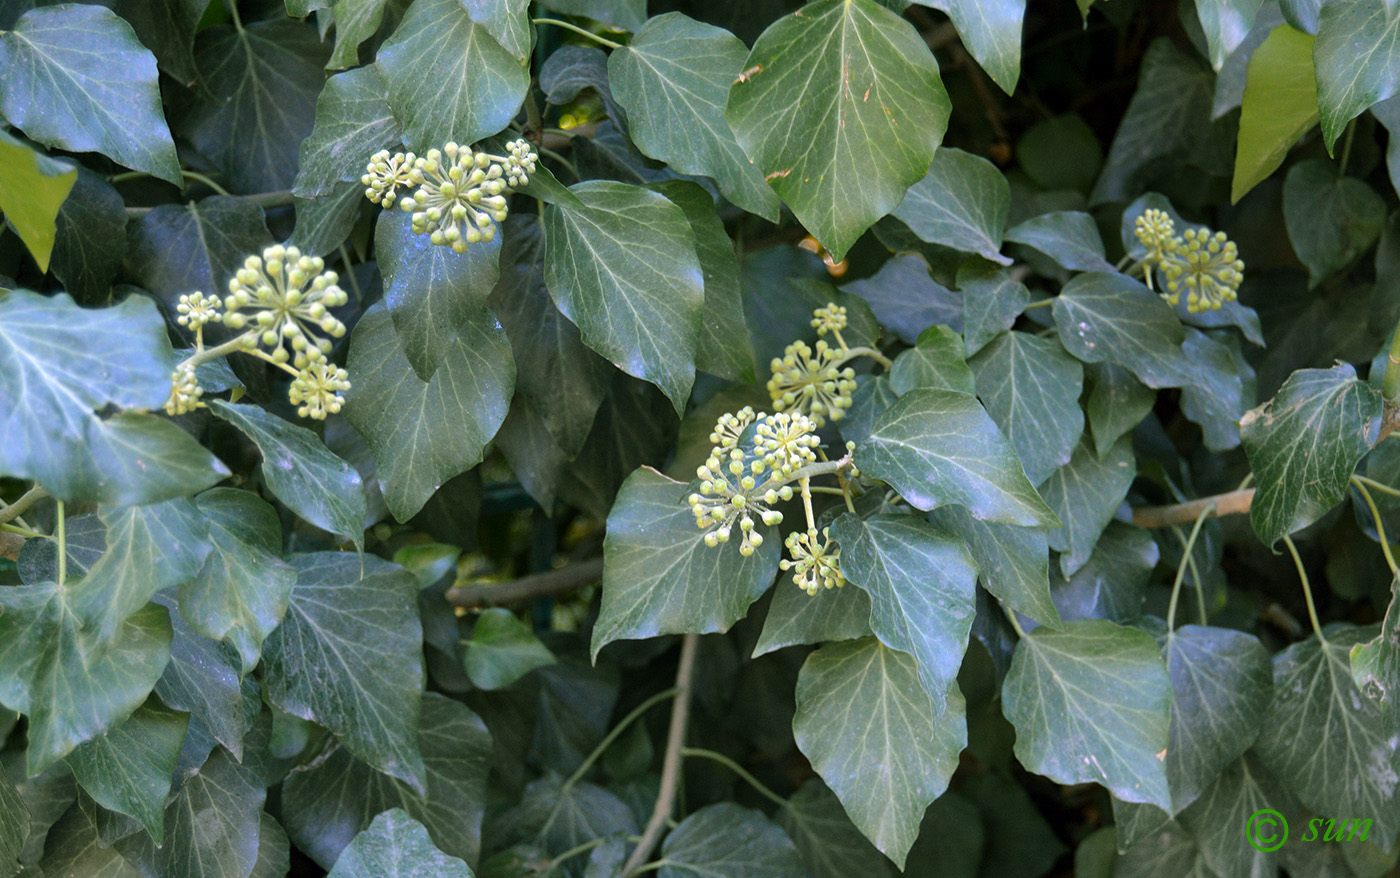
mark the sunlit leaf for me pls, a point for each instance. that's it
(502, 650)
(1357, 57)
(991, 30)
(33, 188)
(1278, 107)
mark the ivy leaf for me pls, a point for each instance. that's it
(659, 577)
(331, 799)
(1304, 444)
(1068, 726)
(1279, 106)
(1375, 664)
(1331, 219)
(354, 620)
(1112, 582)
(1241, 789)
(167, 28)
(673, 78)
(828, 841)
(1117, 404)
(1031, 389)
(395, 846)
(1222, 685)
(938, 360)
(841, 107)
(50, 671)
(1086, 493)
(1070, 237)
(202, 679)
(14, 825)
(1224, 387)
(571, 69)
(1357, 58)
(1103, 317)
(502, 650)
(91, 238)
(992, 300)
(795, 617)
(1012, 562)
(77, 78)
(906, 299)
(922, 584)
(561, 819)
(424, 433)
(33, 188)
(128, 769)
(355, 22)
(240, 594)
(263, 80)
(729, 841)
(73, 846)
(353, 121)
(177, 248)
(872, 733)
(1226, 23)
(448, 77)
(52, 383)
(626, 15)
(961, 203)
(1325, 741)
(624, 269)
(939, 446)
(992, 33)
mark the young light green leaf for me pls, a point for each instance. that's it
(129, 768)
(1012, 562)
(424, 433)
(922, 584)
(396, 846)
(841, 107)
(1325, 741)
(1031, 389)
(673, 78)
(624, 269)
(938, 360)
(1331, 219)
(1106, 317)
(1226, 23)
(796, 617)
(939, 446)
(1357, 58)
(1279, 106)
(830, 844)
(330, 800)
(241, 592)
(78, 79)
(961, 203)
(991, 30)
(33, 188)
(448, 77)
(729, 841)
(1304, 444)
(1086, 493)
(659, 577)
(51, 671)
(353, 121)
(1070, 237)
(502, 650)
(992, 300)
(1091, 703)
(1117, 404)
(871, 732)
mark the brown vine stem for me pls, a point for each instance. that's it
(17, 508)
(671, 763)
(526, 587)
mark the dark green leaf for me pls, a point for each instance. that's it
(961, 203)
(1031, 389)
(992, 300)
(1304, 444)
(396, 846)
(355, 22)
(1070, 237)
(673, 78)
(1103, 317)
(952, 839)
(624, 268)
(1085, 493)
(1019, 840)
(274, 850)
(423, 434)
(922, 584)
(1222, 390)
(1091, 703)
(872, 733)
(74, 848)
(1279, 106)
(659, 577)
(328, 801)
(1325, 741)
(797, 617)
(633, 428)
(91, 235)
(1112, 583)
(177, 248)
(561, 819)
(1241, 789)
(841, 107)
(828, 841)
(77, 78)
(938, 360)
(1168, 850)
(353, 121)
(938, 446)
(167, 28)
(571, 69)
(302, 472)
(906, 299)
(129, 768)
(33, 189)
(14, 825)
(1331, 219)
(729, 841)
(348, 656)
(1375, 665)
(992, 33)
(263, 80)
(202, 678)
(502, 650)
(1012, 562)
(1357, 58)
(1117, 404)
(1061, 153)
(241, 592)
(449, 79)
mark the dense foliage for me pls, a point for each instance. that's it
(750, 440)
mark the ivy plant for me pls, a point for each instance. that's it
(578, 438)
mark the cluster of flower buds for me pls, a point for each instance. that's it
(461, 193)
(832, 319)
(812, 382)
(185, 391)
(1205, 264)
(816, 562)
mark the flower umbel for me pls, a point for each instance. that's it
(386, 174)
(1156, 231)
(284, 294)
(318, 388)
(740, 489)
(812, 382)
(1207, 266)
(184, 391)
(815, 564)
(197, 310)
